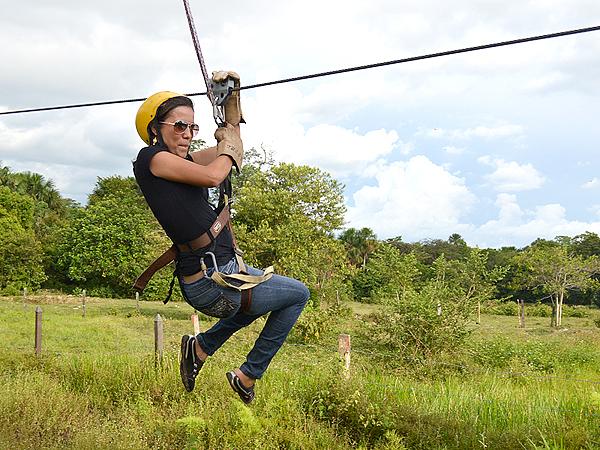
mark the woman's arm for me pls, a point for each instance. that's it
(205, 156)
(174, 168)
(208, 155)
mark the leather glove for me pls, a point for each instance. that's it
(229, 143)
(233, 109)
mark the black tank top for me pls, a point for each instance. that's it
(182, 210)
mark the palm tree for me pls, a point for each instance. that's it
(359, 244)
(39, 188)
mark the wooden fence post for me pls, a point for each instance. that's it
(439, 309)
(344, 350)
(158, 340)
(83, 304)
(24, 296)
(38, 330)
(196, 324)
(522, 313)
(137, 301)
(478, 313)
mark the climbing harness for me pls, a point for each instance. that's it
(217, 93)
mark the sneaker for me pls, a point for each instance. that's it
(246, 394)
(189, 364)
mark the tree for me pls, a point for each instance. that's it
(20, 252)
(413, 323)
(285, 191)
(586, 244)
(112, 240)
(551, 270)
(285, 216)
(387, 274)
(359, 245)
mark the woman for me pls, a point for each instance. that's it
(175, 184)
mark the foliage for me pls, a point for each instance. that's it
(20, 257)
(390, 273)
(112, 240)
(434, 319)
(285, 192)
(102, 390)
(285, 216)
(316, 321)
(359, 245)
(45, 212)
(550, 269)
(505, 308)
(505, 354)
(20, 252)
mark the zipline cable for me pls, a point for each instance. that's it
(336, 72)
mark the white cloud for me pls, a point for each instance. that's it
(540, 94)
(452, 150)
(484, 132)
(595, 210)
(415, 199)
(593, 183)
(278, 123)
(518, 227)
(512, 176)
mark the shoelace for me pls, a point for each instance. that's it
(190, 348)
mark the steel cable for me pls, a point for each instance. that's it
(335, 72)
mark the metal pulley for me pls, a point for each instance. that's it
(221, 92)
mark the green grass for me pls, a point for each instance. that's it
(96, 386)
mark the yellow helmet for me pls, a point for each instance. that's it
(147, 112)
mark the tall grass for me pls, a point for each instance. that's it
(96, 386)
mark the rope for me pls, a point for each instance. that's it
(335, 72)
(196, 41)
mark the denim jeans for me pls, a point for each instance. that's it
(284, 298)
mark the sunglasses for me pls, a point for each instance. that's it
(179, 126)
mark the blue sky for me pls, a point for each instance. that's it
(501, 146)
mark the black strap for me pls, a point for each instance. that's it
(166, 300)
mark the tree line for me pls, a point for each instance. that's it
(287, 215)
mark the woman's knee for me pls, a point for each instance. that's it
(304, 293)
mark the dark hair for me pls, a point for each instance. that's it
(161, 113)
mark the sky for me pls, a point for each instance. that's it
(501, 146)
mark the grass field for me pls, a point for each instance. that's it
(96, 386)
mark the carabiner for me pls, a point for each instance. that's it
(214, 261)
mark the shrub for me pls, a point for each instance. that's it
(576, 311)
(538, 310)
(500, 308)
(315, 321)
(414, 327)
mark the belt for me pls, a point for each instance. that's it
(206, 239)
(202, 241)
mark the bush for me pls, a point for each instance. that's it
(315, 321)
(414, 327)
(505, 354)
(576, 311)
(538, 310)
(500, 308)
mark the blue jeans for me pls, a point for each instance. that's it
(284, 298)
